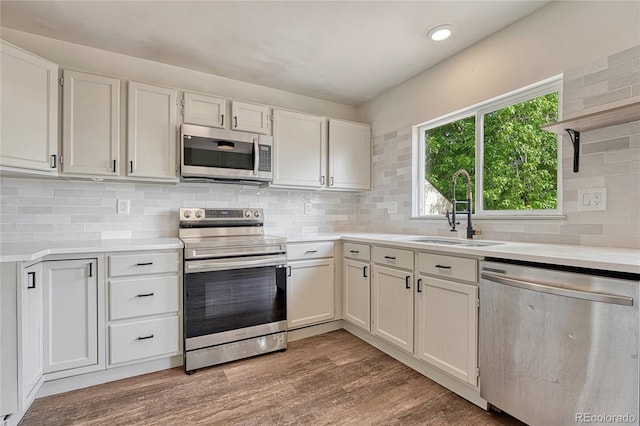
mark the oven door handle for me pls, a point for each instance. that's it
(194, 266)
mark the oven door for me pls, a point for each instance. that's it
(226, 300)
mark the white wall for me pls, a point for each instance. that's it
(560, 36)
(597, 47)
(83, 58)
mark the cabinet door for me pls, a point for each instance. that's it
(357, 293)
(90, 124)
(299, 149)
(392, 306)
(349, 155)
(152, 132)
(31, 331)
(70, 314)
(446, 327)
(29, 110)
(204, 110)
(250, 117)
(310, 292)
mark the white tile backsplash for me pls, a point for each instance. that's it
(43, 210)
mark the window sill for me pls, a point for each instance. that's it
(560, 217)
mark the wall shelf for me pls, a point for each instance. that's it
(597, 120)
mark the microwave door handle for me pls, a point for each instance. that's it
(256, 158)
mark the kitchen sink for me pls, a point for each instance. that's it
(450, 242)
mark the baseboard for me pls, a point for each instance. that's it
(313, 330)
(466, 391)
(67, 384)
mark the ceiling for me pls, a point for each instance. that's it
(345, 51)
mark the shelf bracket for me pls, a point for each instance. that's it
(575, 141)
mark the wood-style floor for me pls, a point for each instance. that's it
(334, 378)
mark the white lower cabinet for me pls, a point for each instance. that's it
(310, 283)
(310, 292)
(31, 332)
(70, 314)
(392, 306)
(356, 281)
(446, 326)
(143, 305)
(143, 339)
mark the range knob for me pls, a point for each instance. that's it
(256, 213)
(187, 214)
(199, 214)
(247, 213)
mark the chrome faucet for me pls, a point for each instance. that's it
(451, 216)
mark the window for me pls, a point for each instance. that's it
(513, 164)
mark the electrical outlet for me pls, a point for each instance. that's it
(307, 208)
(393, 207)
(592, 199)
(122, 207)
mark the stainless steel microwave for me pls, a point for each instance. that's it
(219, 154)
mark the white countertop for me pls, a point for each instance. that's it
(604, 258)
(25, 252)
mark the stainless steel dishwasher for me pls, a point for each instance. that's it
(559, 346)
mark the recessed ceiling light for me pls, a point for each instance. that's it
(440, 32)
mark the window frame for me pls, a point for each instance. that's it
(550, 85)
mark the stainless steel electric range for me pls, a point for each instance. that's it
(234, 286)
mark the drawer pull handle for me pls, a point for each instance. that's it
(145, 295)
(406, 281)
(145, 337)
(144, 264)
(419, 285)
(354, 251)
(390, 257)
(310, 251)
(33, 280)
(364, 272)
(443, 267)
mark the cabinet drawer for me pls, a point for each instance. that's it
(139, 264)
(304, 251)
(459, 268)
(393, 257)
(143, 339)
(357, 251)
(143, 296)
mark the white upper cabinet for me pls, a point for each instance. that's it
(250, 117)
(299, 149)
(152, 132)
(90, 124)
(29, 111)
(349, 155)
(204, 110)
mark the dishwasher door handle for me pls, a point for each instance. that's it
(559, 291)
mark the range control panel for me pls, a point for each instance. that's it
(193, 214)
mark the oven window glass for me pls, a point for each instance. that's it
(227, 300)
(206, 152)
